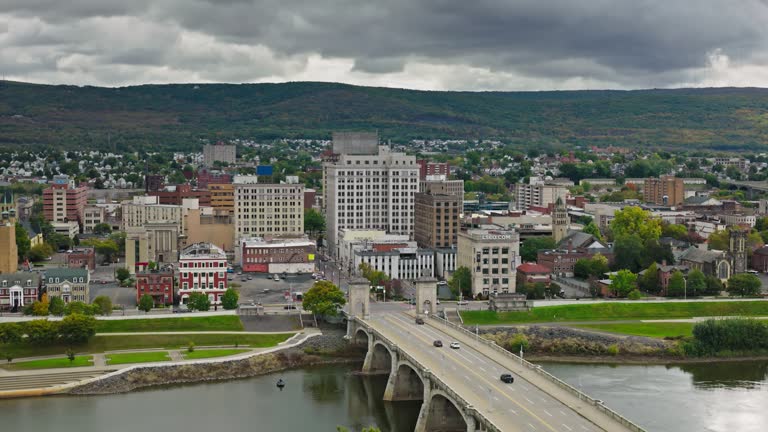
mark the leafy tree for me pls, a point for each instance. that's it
(314, 222)
(70, 355)
(40, 308)
(676, 231)
(11, 333)
(634, 295)
(461, 282)
(40, 252)
(77, 328)
(697, 283)
(146, 303)
(375, 277)
(650, 282)
(623, 282)
(714, 286)
(744, 284)
(535, 291)
(199, 301)
(41, 332)
(591, 228)
(229, 299)
(654, 251)
(107, 248)
(676, 286)
(633, 220)
(103, 304)
(78, 307)
(529, 248)
(102, 229)
(22, 240)
(591, 267)
(122, 274)
(628, 253)
(324, 298)
(56, 306)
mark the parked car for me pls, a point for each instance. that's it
(277, 278)
(419, 321)
(438, 343)
(462, 303)
(289, 307)
(507, 378)
(455, 345)
(266, 290)
(249, 277)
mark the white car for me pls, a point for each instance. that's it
(455, 345)
(462, 303)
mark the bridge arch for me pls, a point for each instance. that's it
(407, 384)
(381, 358)
(361, 337)
(444, 415)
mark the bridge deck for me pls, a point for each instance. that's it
(530, 404)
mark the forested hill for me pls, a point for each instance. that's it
(177, 116)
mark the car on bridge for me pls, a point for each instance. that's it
(507, 378)
(438, 343)
(419, 321)
(455, 345)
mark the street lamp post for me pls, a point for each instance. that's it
(685, 289)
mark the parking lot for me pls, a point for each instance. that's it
(254, 290)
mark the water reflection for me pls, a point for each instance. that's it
(716, 375)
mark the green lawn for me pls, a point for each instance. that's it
(209, 353)
(656, 330)
(50, 363)
(209, 323)
(99, 344)
(140, 357)
(611, 311)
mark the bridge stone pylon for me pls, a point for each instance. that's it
(359, 298)
(426, 296)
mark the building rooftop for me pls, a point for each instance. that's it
(533, 268)
(276, 243)
(66, 273)
(202, 251)
(20, 277)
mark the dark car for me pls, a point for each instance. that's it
(507, 378)
(419, 321)
(289, 307)
(438, 343)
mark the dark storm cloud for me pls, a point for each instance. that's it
(637, 43)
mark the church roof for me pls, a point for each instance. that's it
(698, 255)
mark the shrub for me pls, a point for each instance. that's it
(713, 336)
(613, 349)
(191, 347)
(634, 295)
(518, 341)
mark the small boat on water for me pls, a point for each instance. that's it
(280, 384)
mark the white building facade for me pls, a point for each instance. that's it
(492, 255)
(408, 263)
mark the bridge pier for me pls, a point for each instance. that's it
(404, 384)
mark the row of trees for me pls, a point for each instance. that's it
(102, 305)
(624, 282)
(73, 329)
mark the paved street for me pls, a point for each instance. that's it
(264, 289)
(473, 373)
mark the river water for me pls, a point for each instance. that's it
(718, 397)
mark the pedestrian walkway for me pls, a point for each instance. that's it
(176, 355)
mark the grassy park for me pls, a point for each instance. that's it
(104, 343)
(208, 323)
(139, 357)
(610, 311)
(655, 330)
(210, 353)
(52, 363)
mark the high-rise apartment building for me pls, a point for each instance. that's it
(437, 217)
(219, 152)
(665, 190)
(63, 202)
(222, 196)
(264, 209)
(538, 195)
(152, 231)
(427, 168)
(368, 187)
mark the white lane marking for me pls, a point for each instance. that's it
(529, 401)
(547, 413)
(482, 368)
(495, 398)
(532, 426)
(584, 427)
(513, 411)
(563, 413)
(566, 426)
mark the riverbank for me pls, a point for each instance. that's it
(326, 349)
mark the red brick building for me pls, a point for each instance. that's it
(427, 168)
(174, 195)
(532, 273)
(295, 255)
(82, 257)
(63, 202)
(206, 176)
(156, 283)
(202, 269)
(575, 246)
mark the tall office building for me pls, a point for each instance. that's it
(9, 254)
(368, 187)
(665, 190)
(219, 152)
(538, 195)
(560, 221)
(265, 209)
(63, 202)
(437, 217)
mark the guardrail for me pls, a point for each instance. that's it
(539, 370)
(490, 426)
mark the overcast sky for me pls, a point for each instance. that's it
(424, 44)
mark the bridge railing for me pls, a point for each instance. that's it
(539, 370)
(490, 426)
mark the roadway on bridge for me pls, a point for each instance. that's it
(520, 406)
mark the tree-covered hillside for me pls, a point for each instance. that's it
(178, 116)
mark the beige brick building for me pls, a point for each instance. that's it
(665, 190)
(268, 209)
(437, 219)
